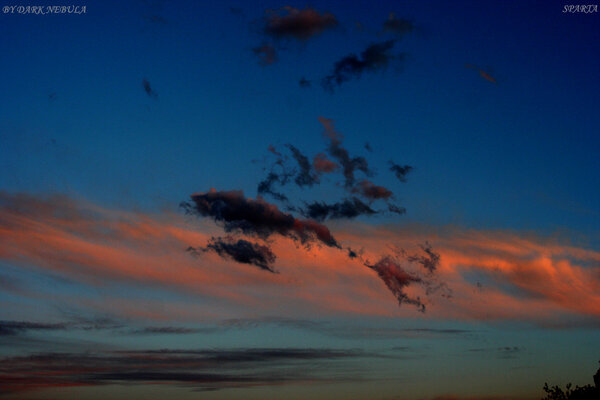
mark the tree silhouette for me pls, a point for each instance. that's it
(587, 392)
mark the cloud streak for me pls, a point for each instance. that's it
(494, 275)
(204, 369)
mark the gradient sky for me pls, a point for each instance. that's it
(110, 119)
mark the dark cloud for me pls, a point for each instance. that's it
(375, 57)
(266, 53)
(10, 328)
(396, 279)
(170, 330)
(201, 369)
(305, 176)
(400, 170)
(430, 261)
(148, 89)
(335, 149)
(304, 83)
(352, 253)
(322, 164)
(346, 209)
(266, 186)
(506, 352)
(396, 209)
(256, 217)
(371, 191)
(398, 26)
(242, 251)
(292, 23)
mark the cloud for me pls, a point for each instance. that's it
(371, 191)
(400, 170)
(430, 261)
(305, 176)
(322, 164)
(256, 217)
(396, 279)
(292, 23)
(548, 281)
(398, 26)
(242, 251)
(10, 328)
(266, 186)
(505, 353)
(212, 369)
(266, 53)
(396, 209)
(169, 330)
(335, 149)
(375, 57)
(485, 75)
(148, 89)
(272, 149)
(304, 83)
(348, 209)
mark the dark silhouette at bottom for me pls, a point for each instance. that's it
(587, 392)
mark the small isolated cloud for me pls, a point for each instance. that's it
(375, 57)
(292, 23)
(242, 251)
(322, 164)
(485, 75)
(266, 54)
(371, 191)
(148, 88)
(400, 170)
(304, 83)
(256, 217)
(398, 26)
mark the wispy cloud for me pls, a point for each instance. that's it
(375, 57)
(494, 275)
(293, 23)
(148, 88)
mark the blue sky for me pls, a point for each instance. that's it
(508, 162)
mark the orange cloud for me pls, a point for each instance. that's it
(493, 275)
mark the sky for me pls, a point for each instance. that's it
(388, 200)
